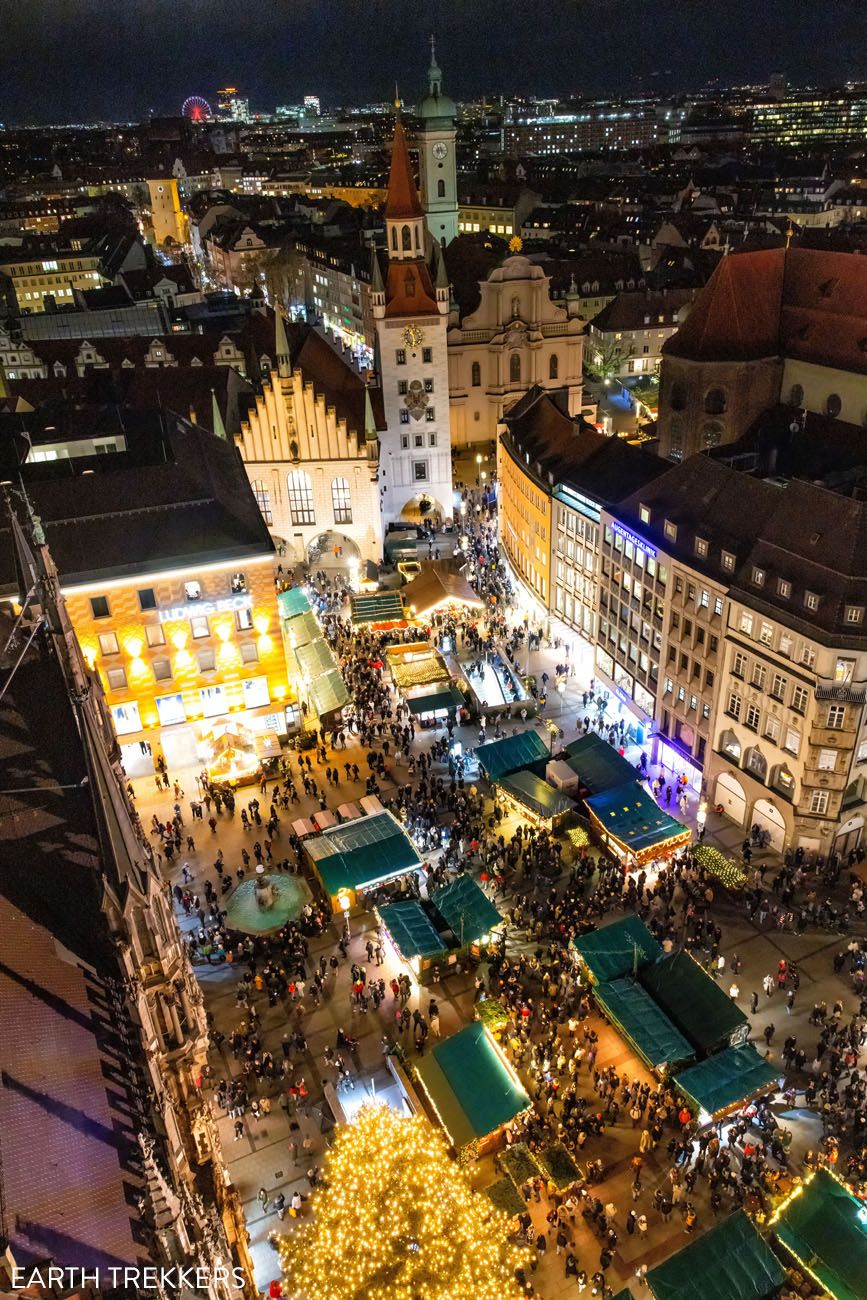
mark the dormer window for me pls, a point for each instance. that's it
(644, 514)
(670, 531)
(700, 546)
(854, 613)
(811, 600)
(728, 561)
(758, 577)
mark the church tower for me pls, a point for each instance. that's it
(410, 307)
(436, 153)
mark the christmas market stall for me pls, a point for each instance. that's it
(360, 855)
(436, 589)
(499, 758)
(431, 704)
(416, 664)
(618, 949)
(631, 825)
(725, 1082)
(595, 766)
(824, 1228)
(471, 1089)
(433, 935)
(643, 1024)
(377, 609)
(315, 676)
(534, 799)
(702, 1011)
(731, 1262)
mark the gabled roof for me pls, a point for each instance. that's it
(697, 1005)
(409, 290)
(403, 200)
(731, 1262)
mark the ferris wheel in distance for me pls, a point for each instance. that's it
(196, 109)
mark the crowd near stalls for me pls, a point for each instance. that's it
(488, 856)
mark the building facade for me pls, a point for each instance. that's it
(309, 442)
(410, 307)
(516, 340)
(438, 176)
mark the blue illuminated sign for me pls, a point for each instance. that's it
(627, 536)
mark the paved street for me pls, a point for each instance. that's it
(275, 1152)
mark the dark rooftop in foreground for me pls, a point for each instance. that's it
(177, 495)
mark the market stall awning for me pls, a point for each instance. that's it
(536, 794)
(375, 607)
(640, 1020)
(470, 1085)
(466, 909)
(634, 819)
(724, 1080)
(356, 855)
(824, 1227)
(731, 1262)
(500, 757)
(695, 1002)
(305, 628)
(411, 929)
(620, 948)
(293, 602)
(434, 588)
(598, 764)
(329, 693)
(441, 695)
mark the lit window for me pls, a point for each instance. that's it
(728, 561)
(238, 584)
(670, 530)
(811, 600)
(300, 487)
(854, 613)
(192, 591)
(108, 643)
(155, 634)
(759, 577)
(700, 546)
(644, 514)
(341, 501)
(746, 622)
(200, 627)
(784, 589)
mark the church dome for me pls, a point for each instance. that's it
(436, 106)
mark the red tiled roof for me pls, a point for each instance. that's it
(403, 199)
(409, 290)
(799, 302)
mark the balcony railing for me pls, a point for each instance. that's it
(847, 693)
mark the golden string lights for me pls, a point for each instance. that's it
(396, 1219)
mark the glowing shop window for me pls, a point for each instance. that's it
(171, 709)
(213, 700)
(256, 692)
(126, 718)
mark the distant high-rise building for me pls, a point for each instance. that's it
(312, 106)
(232, 107)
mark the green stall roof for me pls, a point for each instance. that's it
(439, 695)
(598, 764)
(633, 817)
(470, 1086)
(617, 949)
(466, 909)
(305, 628)
(361, 853)
(640, 1020)
(293, 602)
(731, 1262)
(696, 1003)
(500, 757)
(411, 929)
(723, 1080)
(823, 1229)
(536, 794)
(376, 607)
(329, 693)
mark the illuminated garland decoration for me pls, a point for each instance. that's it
(396, 1219)
(725, 870)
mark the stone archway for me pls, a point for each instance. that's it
(423, 507)
(332, 551)
(729, 793)
(767, 816)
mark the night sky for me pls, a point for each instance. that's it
(76, 60)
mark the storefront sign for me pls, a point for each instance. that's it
(633, 538)
(204, 608)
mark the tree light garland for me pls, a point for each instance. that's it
(396, 1219)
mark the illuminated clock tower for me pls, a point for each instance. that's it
(438, 175)
(410, 306)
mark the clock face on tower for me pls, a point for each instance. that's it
(440, 149)
(412, 336)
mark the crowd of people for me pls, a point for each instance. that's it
(549, 893)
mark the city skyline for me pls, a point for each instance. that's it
(349, 53)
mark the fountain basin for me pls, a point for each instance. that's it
(288, 895)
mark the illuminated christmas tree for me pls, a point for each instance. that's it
(396, 1219)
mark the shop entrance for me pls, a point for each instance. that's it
(768, 817)
(730, 794)
(137, 758)
(179, 748)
